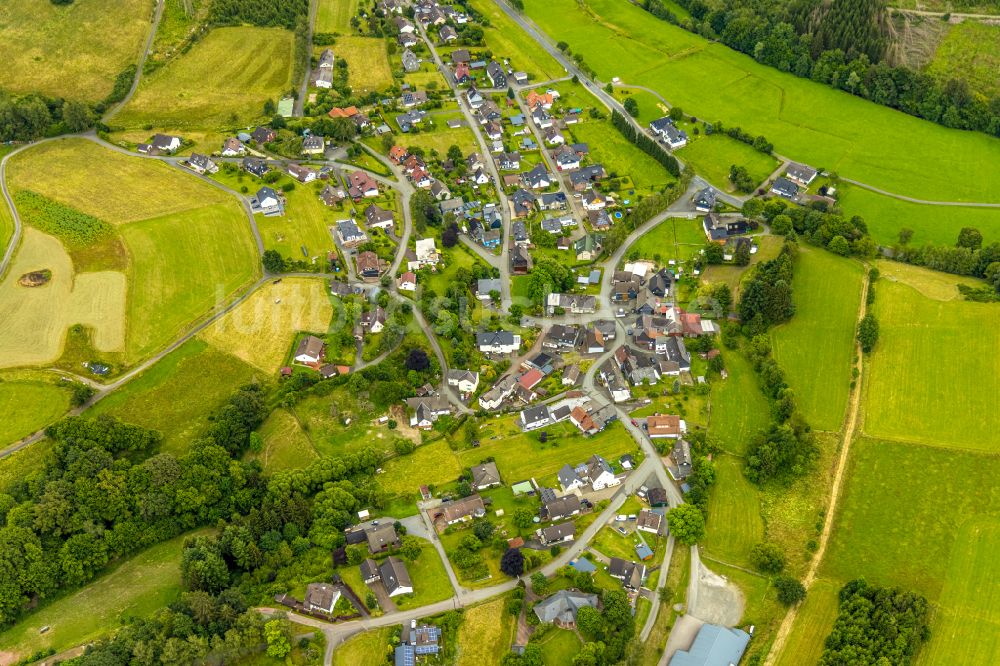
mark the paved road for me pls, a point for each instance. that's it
(157, 15)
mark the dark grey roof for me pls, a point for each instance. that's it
(563, 605)
(784, 187)
(491, 338)
(558, 532)
(535, 414)
(562, 507)
(394, 574)
(369, 569)
(568, 476)
(485, 474)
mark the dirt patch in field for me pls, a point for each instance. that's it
(36, 319)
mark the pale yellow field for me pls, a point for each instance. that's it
(367, 62)
(35, 320)
(932, 284)
(73, 51)
(261, 330)
(223, 80)
(114, 187)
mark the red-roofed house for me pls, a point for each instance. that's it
(531, 378)
(348, 112)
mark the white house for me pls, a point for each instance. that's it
(498, 342)
(466, 381)
(426, 253)
(321, 597)
(408, 281)
(310, 350)
(600, 473)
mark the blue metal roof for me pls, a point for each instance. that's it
(583, 565)
(714, 646)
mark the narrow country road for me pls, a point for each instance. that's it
(850, 426)
(157, 15)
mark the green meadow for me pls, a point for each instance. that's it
(28, 404)
(934, 376)
(816, 347)
(806, 121)
(711, 156)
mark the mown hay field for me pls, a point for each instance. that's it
(223, 80)
(367, 63)
(335, 15)
(506, 40)
(816, 347)
(177, 394)
(806, 121)
(934, 376)
(104, 183)
(734, 519)
(260, 330)
(73, 51)
(35, 319)
(813, 623)
(486, 633)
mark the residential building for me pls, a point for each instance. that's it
(427, 409)
(681, 457)
(555, 534)
(704, 200)
(411, 63)
(800, 174)
(263, 135)
(665, 425)
(600, 474)
(349, 234)
(369, 571)
(631, 574)
(395, 577)
(496, 75)
(569, 480)
(232, 147)
(382, 537)
(466, 381)
(486, 286)
(255, 166)
(562, 507)
(462, 510)
(313, 145)
(408, 281)
(166, 143)
(369, 266)
(536, 417)
(785, 188)
(202, 164)
(562, 607)
(563, 337)
(498, 342)
(378, 217)
(303, 174)
(650, 521)
(321, 598)
(310, 350)
(485, 475)
(494, 397)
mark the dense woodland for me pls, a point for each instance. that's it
(876, 625)
(841, 44)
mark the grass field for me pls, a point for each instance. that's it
(223, 80)
(371, 647)
(335, 15)
(929, 350)
(618, 155)
(432, 464)
(827, 292)
(36, 319)
(486, 634)
(367, 63)
(6, 223)
(74, 50)
(650, 106)
(966, 626)
(137, 587)
(806, 121)
(711, 156)
(734, 517)
(739, 409)
(285, 445)
(29, 404)
(934, 285)
(813, 623)
(110, 186)
(970, 51)
(261, 330)
(179, 19)
(506, 40)
(675, 239)
(165, 292)
(177, 395)
(442, 138)
(938, 225)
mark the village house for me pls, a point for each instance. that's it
(681, 457)
(784, 188)
(800, 174)
(498, 342)
(494, 397)
(631, 574)
(650, 521)
(381, 538)
(462, 510)
(331, 195)
(562, 337)
(303, 174)
(555, 534)
(411, 63)
(232, 147)
(427, 409)
(561, 508)
(310, 350)
(255, 166)
(361, 185)
(562, 607)
(349, 234)
(466, 381)
(321, 598)
(313, 145)
(704, 200)
(369, 265)
(495, 73)
(416, 641)
(165, 143)
(485, 476)
(267, 201)
(202, 164)
(718, 229)
(533, 418)
(395, 577)
(665, 425)
(427, 254)
(408, 281)
(378, 217)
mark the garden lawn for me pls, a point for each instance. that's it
(807, 121)
(178, 394)
(521, 456)
(441, 139)
(138, 587)
(29, 405)
(367, 63)
(650, 106)
(71, 50)
(768, 248)
(936, 225)
(559, 646)
(486, 633)
(816, 347)
(261, 330)
(734, 519)
(110, 186)
(739, 409)
(430, 580)
(620, 156)
(335, 15)
(612, 543)
(223, 80)
(506, 40)
(813, 623)
(711, 156)
(184, 266)
(370, 647)
(934, 376)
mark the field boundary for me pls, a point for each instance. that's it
(850, 425)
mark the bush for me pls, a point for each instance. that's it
(790, 590)
(767, 557)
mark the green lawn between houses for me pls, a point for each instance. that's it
(816, 347)
(806, 121)
(370, 647)
(137, 587)
(711, 156)
(559, 647)
(674, 238)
